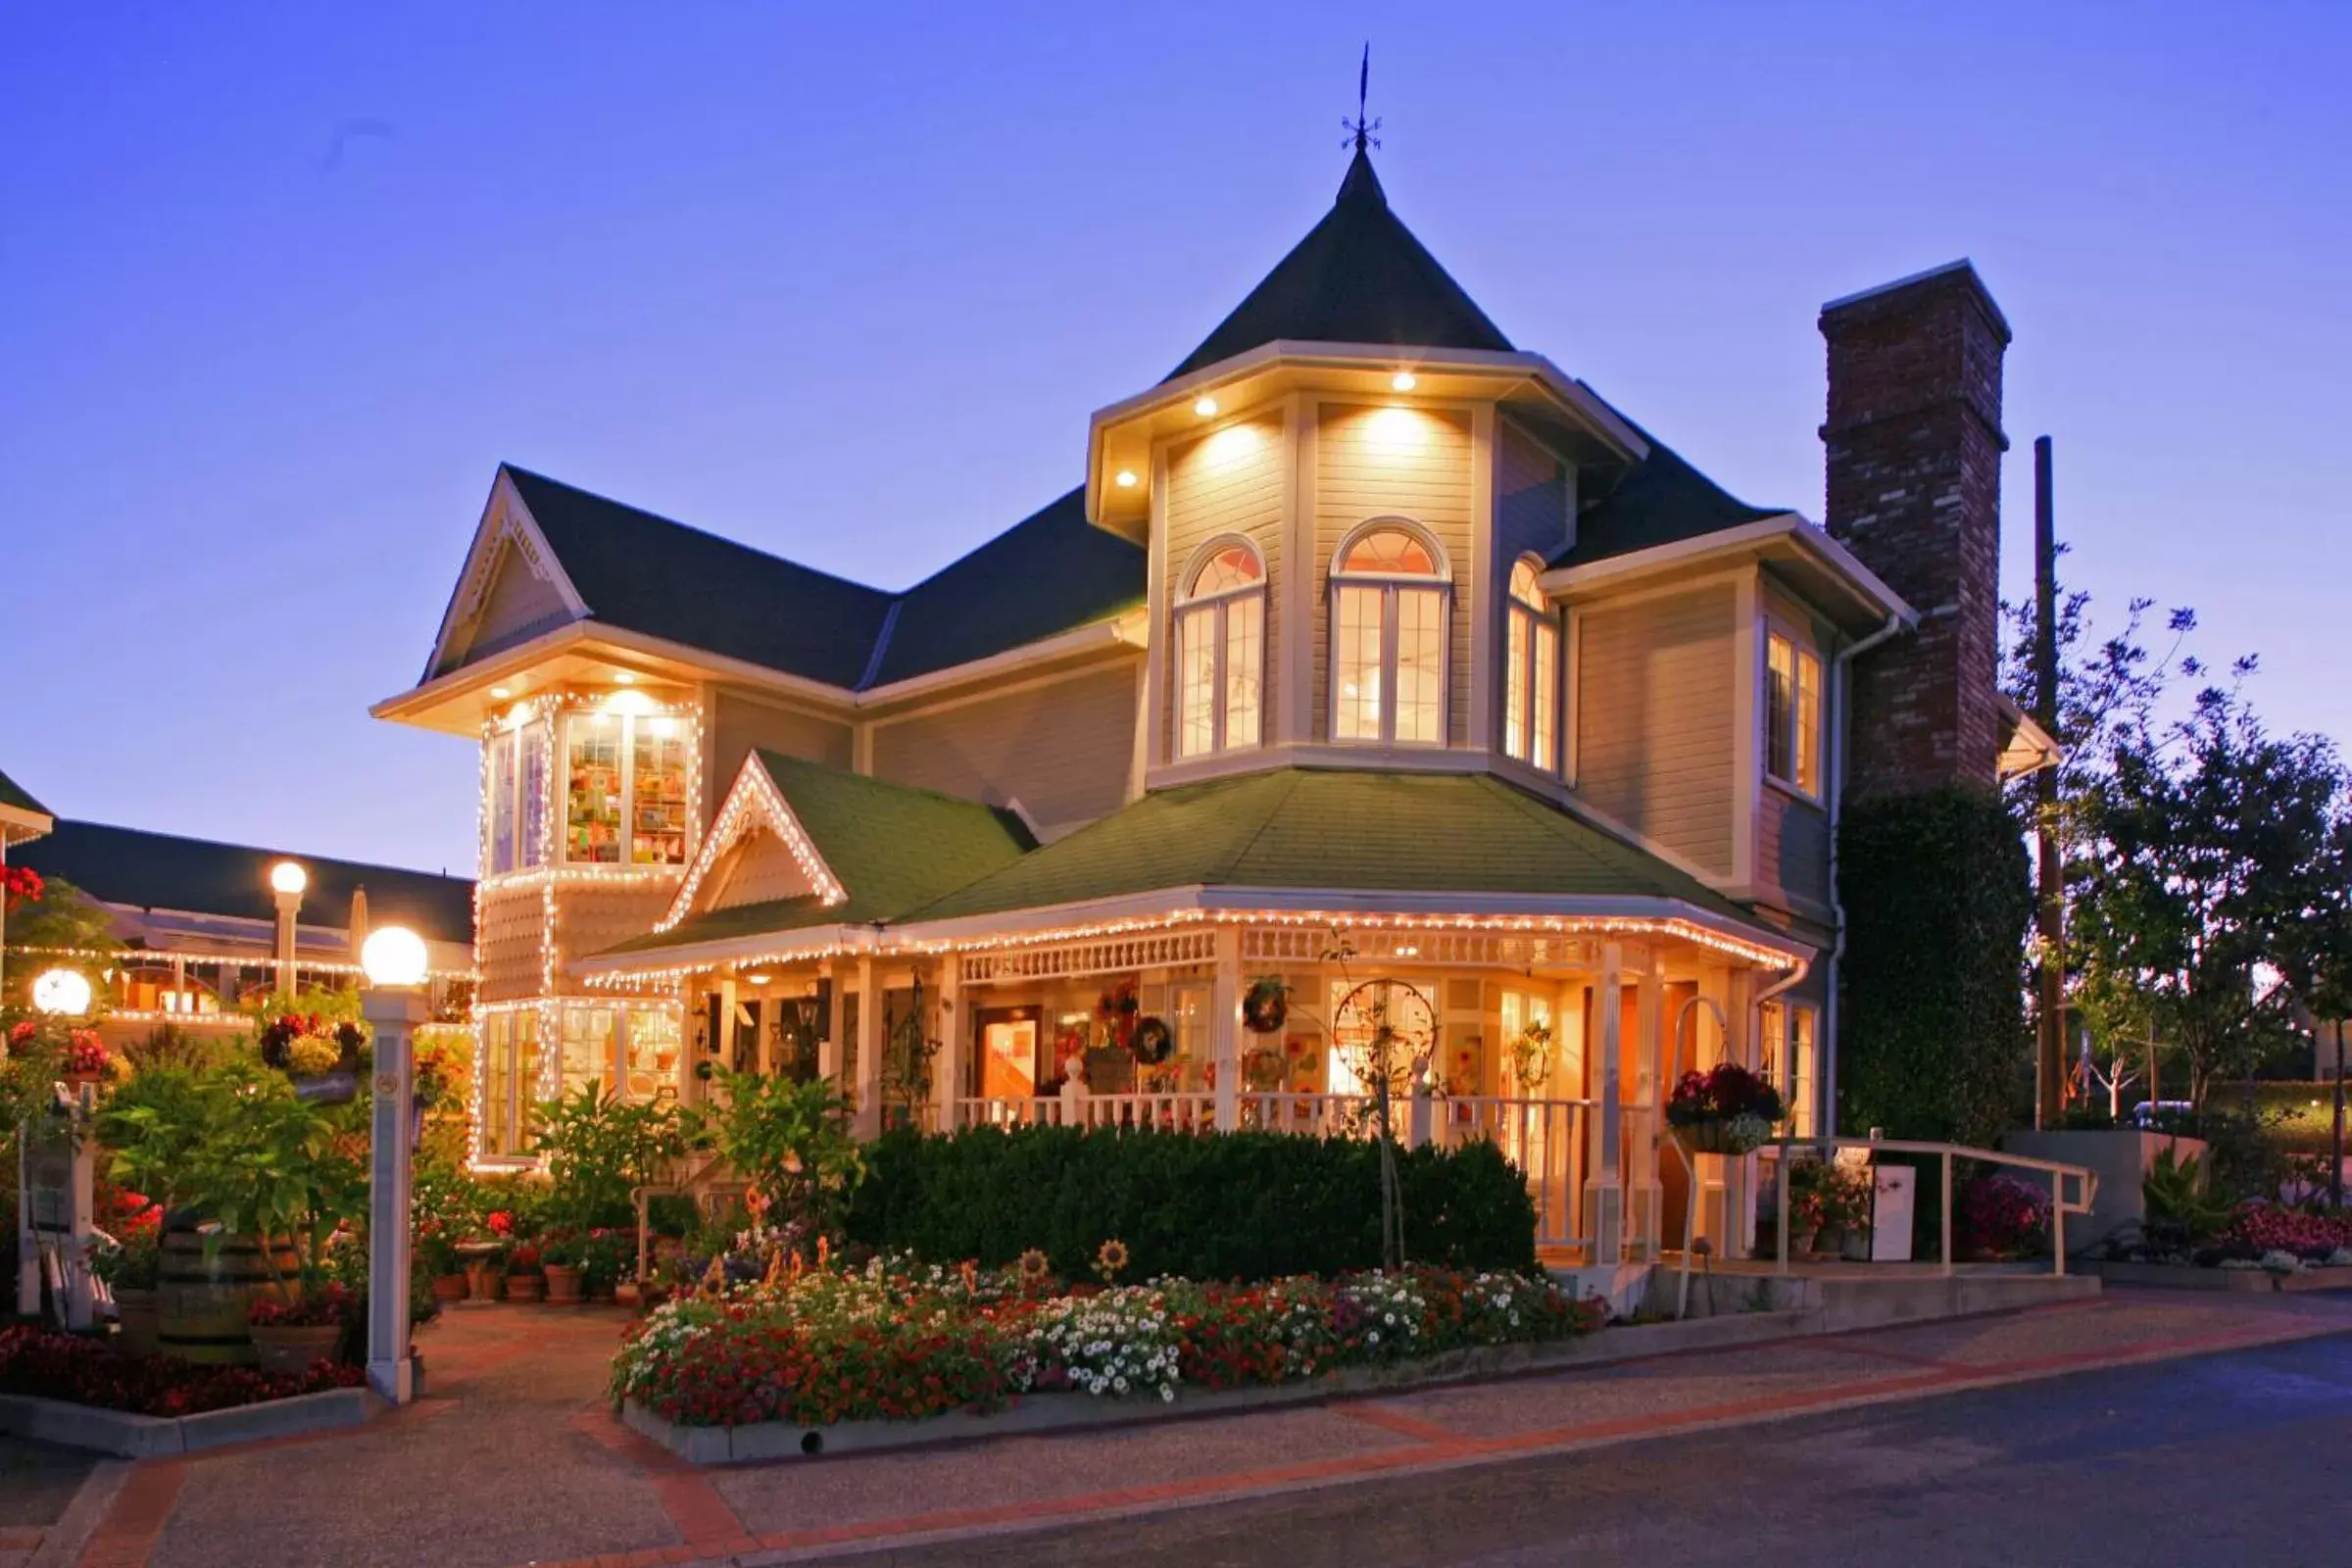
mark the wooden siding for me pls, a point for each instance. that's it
(506, 941)
(743, 722)
(757, 869)
(1230, 481)
(1405, 463)
(1062, 747)
(591, 917)
(1654, 720)
(1792, 846)
(520, 606)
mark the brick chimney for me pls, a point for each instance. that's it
(1915, 444)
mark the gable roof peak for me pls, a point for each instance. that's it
(1361, 184)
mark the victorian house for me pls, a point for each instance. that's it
(1378, 673)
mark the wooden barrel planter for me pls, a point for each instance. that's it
(202, 1295)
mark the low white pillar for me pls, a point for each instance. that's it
(289, 906)
(56, 1181)
(394, 1012)
(1644, 1187)
(946, 1067)
(1604, 1193)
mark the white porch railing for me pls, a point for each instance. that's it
(1151, 1112)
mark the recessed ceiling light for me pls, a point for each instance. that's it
(501, 693)
(625, 678)
(1126, 480)
(1206, 406)
(1403, 381)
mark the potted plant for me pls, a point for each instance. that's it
(560, 1266)
(289, 1336)
(607, 1259)
(1726, 1110)
(129, 1257)
(524, 1281)
(1809, 1181)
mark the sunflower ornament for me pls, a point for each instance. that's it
(1109, 1259)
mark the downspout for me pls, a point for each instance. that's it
(1841, 692)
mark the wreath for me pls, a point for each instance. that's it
(1153, 1042)
(1266, 1005)
(1115, 1010)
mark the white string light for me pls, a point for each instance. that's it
(754, 792)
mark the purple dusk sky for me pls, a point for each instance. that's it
(279, 286)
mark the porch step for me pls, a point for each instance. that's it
(1857, 1298)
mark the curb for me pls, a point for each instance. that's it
(1041, 1413)
(2231, 1281)
(147, 1437)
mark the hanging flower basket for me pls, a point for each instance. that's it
(1723, 1135)
(1726, 1111)
(1266, 1005)
(1154, 1042)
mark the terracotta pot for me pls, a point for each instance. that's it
(564, 1284)
(450, 1288)
(136, 1311)
(525, 1287)
(290, 1347)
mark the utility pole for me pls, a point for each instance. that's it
(2049, 1055)
(2335, 1166)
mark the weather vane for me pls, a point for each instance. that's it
(1360, 129)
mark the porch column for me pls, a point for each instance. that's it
(868, 1123)
(1224, 1026)
(828, 1049)
(1604, 1193)
(722, 1040)
(1741, 1175)
(947, 1068)
(1709, 1045)
(1647, 1194)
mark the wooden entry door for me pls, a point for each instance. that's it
(1006, 1041)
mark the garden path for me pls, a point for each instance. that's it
(512, 1458)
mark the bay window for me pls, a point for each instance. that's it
(1389, 600)
(1220, 653)
(1530, 696)
(513, 798)
(624, 789)
(1792, 713)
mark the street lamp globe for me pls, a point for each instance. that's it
(393, 956)
(61, 993)
(288, 877)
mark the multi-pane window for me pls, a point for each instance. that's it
(1791, 1062)
(1221, 653)
(513, 798)
(1530, 696)
(1792, 713)
(510, 1081)
(624, 789)
(1388, 595)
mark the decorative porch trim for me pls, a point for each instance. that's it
(1151, 950)
(754, 801)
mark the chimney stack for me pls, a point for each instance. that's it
(1915, 444)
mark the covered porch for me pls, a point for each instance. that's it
(1556, 1037)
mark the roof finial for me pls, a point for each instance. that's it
(1360, 129)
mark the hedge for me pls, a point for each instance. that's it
(1238, 1205)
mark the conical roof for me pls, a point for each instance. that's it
(1359, 276)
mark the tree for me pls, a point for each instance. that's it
(2203, 845)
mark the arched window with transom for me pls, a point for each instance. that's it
(1389, 597)
(1221, 651)
(1531, 682)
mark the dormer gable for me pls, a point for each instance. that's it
(511, 590)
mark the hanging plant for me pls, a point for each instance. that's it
(1267, 1004)
(1154, 1042)
(1116, 1010)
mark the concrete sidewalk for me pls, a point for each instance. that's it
(513, 1458)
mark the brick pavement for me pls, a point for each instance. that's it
(514, 1459)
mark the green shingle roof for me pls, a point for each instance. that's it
(1356, 832)
(1359, 276)
(893, 847)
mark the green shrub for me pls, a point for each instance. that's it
(1239, 1205)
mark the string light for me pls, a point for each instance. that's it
(754, 792)
(141, 957)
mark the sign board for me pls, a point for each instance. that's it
(1894, 1195)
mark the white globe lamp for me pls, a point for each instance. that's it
(288, 877)
(393, 956)
(61, 993)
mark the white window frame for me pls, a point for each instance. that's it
(1801, 656)
(559, 784)
(1390, 585)
(1214, 607)
(1539, 626)
(1776, 1027)
(522, 745)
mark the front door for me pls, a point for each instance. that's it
(1007, 1047)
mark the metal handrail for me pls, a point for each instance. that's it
(2058, 1171)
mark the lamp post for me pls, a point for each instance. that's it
(287, 880)
(58, 1177)
(394, 961)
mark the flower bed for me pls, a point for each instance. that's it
(900, 1341)
(49, 1365)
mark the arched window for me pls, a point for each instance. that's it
(1530, 694)
(1221, 651)
(1390, 593)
